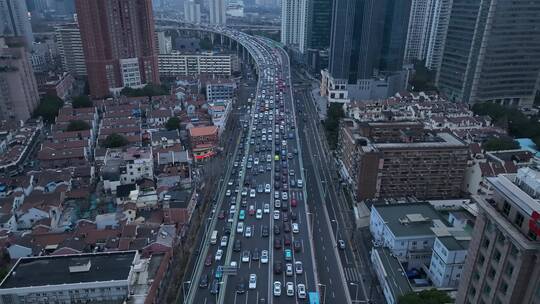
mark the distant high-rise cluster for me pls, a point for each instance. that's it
(119, 44)
(217, 12)
(294, 18)
(14, 20)
(192, 11)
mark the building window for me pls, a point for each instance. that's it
(513, 251)
(509, 269)
(485, 243)
(519, 219)
(503, 287)
(472, 291)
(491, 273)
(487, 289)
(481, 259)
(506, 208)
(497, 255)
(500, 238)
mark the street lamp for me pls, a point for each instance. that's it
(324, 297)
(184, 290)
(356, 292)
(337, 229)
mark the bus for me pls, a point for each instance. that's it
(213, 237)
(313, 297)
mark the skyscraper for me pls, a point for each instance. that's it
(217, 12)
(419, 30)
(319, 23)
(68, 39)
(119, 44)
(18, 88)
(491, 52)
(502, 264)
(437, 33)
(14, 20)
(294, 24)
(192, 11)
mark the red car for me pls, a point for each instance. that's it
(251, 210)
(208, 261)
(221, 214)
(293, 202)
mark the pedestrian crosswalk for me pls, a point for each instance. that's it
(352, 274)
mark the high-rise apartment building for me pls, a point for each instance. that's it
(18, 88)
(491, 52)
(119, 44)
(70, 48)
(319, 21)
(14, 20)
(502, 264)
(419, 30)
(217, 12)
(294, 24)
(437, 33)
(401, 159)
(192, 11)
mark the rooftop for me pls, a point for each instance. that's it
(70, 269)
(393, 272)
(441, 140)
(409, 219)
(203, 131)
(452, 244)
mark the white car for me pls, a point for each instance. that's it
(266, 208)
(244, 192)
(276, 194)
(298, 268)
(256, 161)
(277, 289)
(224, 241)
(301, 291)
(276, 215)
(228, 193)
(289, 270)
(267, 188)
(234, 264)
(252, 281)
(264, 256)
(290, 289)
(252, 193)
(295, 228)
(219, 255)
(259, 214)
(240, 227)
(248, 232)
(284, 196)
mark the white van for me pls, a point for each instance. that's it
(213, 237)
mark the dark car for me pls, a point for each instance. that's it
(203, 283)
(255, 255)
(227, 229)
(297, 246)
(286, 227)
(277, 244)
(276, 186)
(237, 245)
(278, 267)
(265, 231)
(284, 206)
(277, 231)
(294, 216)
(221, 214)
(208, 261)
(284, 215)
(240, 287)
(214, 288)
(287, 240)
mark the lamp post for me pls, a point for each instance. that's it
(356, 291)
(184, 290)
(337, 229)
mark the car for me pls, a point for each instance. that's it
(240, 227)
(286, 227)
(277, 230)
(234, 264)
(232, 209)
(248, 232)
(287, 253)
(277, 204)
(301, 291)
(297, 246)
(227, 229)
(277, 289)
(289, 270)
(295, 227)
(290, 289)
(255, 255)
(228, 193)
(240, 287)
(244, 192)
(244, 203)
(285, 216)
(293, 183)
(219, 255)
(287, 240)
(224, 241)
(203, 282)
(245, 256)
(299, 183)
(259, 214)
(294, 203)
(284, 196)
(298, 267)
(260, 188)
(264, 256)
(276, 215)
(278, 267)
(266, 208)
(277, 244)
(214, 288)
(276, 194)
(251, 210)
(221, 214)
(237, 247)
(341, 244)
(267, 188)
(264, 231)
(252, 281)
(242, 215)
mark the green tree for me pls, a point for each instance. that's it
(78, 125)
(82, 101)
(423, 79)
(503, 143)
(432, 296)
(148, 90)
(331, 124)
(173, 123)
(513, 120)
(114, 141)
(205, 44)
(48, 108)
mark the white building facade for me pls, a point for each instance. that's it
(294, 24)
(447, 262)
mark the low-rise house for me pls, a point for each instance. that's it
(178, 206)
(157, 118)
(38, 206)
(51, 158)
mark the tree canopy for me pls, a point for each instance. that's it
(77, 125)
(503, 143)
(82, 101)
(48, 108)
(432, 296)
(331, 124)
(423, 79)
(173, 123)
(114, 141)
(148, 90)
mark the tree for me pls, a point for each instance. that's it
(498, 144)
(82, 101)
(331, 124)
(173, 123)
(512, 119)
(205, 44)
(432, 296)
(423, 78)
(48, 108)
(114, 141)
(148, 90)
(77, 125)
